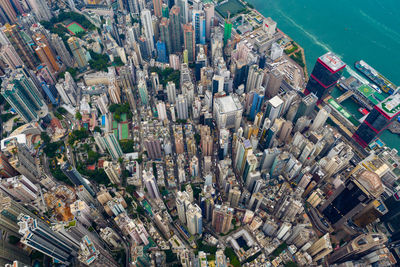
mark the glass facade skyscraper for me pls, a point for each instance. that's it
(327, 71)
(378, 120)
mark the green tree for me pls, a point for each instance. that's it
(78, 115)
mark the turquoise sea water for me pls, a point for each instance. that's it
(354, 30)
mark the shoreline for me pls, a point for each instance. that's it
(305, 70)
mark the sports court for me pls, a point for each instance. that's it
(75, 28)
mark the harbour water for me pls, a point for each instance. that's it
(354, 30)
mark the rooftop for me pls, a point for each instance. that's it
(228, 104)
(391, 105)
(332, 61)
(276, 101)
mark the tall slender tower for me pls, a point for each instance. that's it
(23, 94)
(8, 10)
(157, 4)
(13, 35)
(165, 34)
(41, 9)
(61, 50)
(75, 177)
(184, 9)
(209, 11)
(189, 41)
(78, 52)
(176, 29)
(145, 17)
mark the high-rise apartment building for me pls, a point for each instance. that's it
(113, 171)
(320, 119)
(157, 5)
(40, 9)
(209, 13)
(20, 157)
(194, 219)
(165, 34)
(184, 10)
(151, 184)
(75, 177)
(9, 10)
(145, 16)
(176, 29)
(61, 50)
(13, 34)
(189, 40)
(182, 107)
(78, 52)
(222, 218)
(10, 56)
(38, 235)
(111, 143)
(153, 147)
(171, 92)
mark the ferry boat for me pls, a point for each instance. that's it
(375, 77)
(363, 111)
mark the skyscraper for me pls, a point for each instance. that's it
(165, 34)
(378, 120)
(320, 248)
(358, 247)
(176, 29)
(182, 107)
(10, 56)
(188, 35)
(47, 57)
(274, 108)
(78, 52)
(157, 5)
(23, 93)
(165, 10)
(16, 40)
(161, 52)
(209, 11)
(171, 92)
(144, 95)
(199, 25)
(327, 71)
(184, 10)
(9, 10)
(151, 185)
(321, 118)
(6, 170)
(351, 197)
(113, 171)
(145, 17)
(75, 177)
(41, 9)
(222, 218)
(275, 78)
(38, 235)
(112, 145)
(61, 50)
(194, 219)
